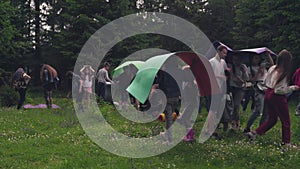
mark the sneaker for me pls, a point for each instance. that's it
(290, 146)
(189, 136)
(251, 135)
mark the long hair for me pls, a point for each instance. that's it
(283, 65)
(18, 74)
(251, 64)
(51, 70)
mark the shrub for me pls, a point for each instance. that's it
(8, 96)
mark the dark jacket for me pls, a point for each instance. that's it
(168, 84)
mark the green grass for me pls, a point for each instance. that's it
(43, 138)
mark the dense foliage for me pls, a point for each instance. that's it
(8, 96)
(47, 31)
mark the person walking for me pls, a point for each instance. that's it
(49, 78)
(103, 79)
(238, 78)
(258, 72)
(171, 89)
(20, 82)
(188, 101)
(276, 104)
(219, 67)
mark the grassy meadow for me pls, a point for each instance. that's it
(53, 138)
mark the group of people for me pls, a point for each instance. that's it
(84, 82)
(240, 80)
(48, 77)
(50, 80)
(270, 83)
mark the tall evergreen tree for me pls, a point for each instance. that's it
(12, 43)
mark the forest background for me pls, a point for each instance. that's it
(54, 31)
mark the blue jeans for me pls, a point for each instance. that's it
(249, 94)
(259, 98)
(298, 107)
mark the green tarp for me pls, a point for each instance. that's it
(120, 69)
(142, 83)
(200, 66)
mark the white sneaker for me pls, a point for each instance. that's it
(251, 135)
(290, 146)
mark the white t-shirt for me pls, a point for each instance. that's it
(281, 87)
(219, 66)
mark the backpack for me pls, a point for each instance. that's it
(18, 80)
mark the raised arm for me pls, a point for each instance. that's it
(269, 57)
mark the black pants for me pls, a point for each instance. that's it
(101, 90)
(22, 93)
